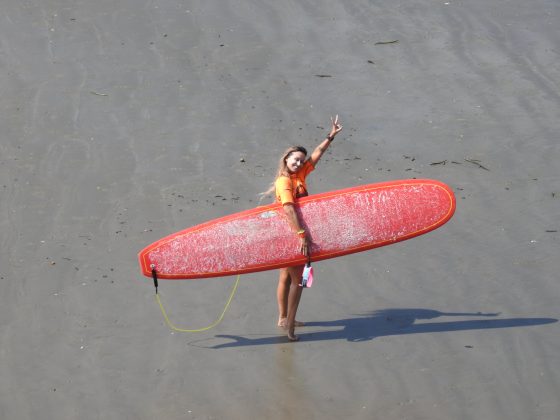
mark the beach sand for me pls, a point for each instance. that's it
(124, 121)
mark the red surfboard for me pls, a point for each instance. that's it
(338, 222)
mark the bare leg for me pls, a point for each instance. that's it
(294, 297)
(282, 295)
(282, 292)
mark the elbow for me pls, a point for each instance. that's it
(288, 207)
(290, 210)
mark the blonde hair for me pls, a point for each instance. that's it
(282, 168)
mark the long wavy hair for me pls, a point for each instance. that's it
(283, 168)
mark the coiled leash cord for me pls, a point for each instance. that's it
(183, 330)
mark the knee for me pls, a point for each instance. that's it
(284, 276)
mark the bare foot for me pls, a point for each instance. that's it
(292, 337)
(283, 323)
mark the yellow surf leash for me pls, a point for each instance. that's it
(183, 330)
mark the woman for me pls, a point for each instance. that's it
(289, 186)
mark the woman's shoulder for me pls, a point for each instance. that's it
(308, 164)
(281, 179)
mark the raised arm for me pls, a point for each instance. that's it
(336, 127)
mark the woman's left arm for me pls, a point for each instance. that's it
(336, 127)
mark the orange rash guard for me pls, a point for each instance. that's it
(289, 189)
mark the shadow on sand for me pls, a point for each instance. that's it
(385, 323)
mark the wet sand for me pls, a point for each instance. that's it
(124, 121)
